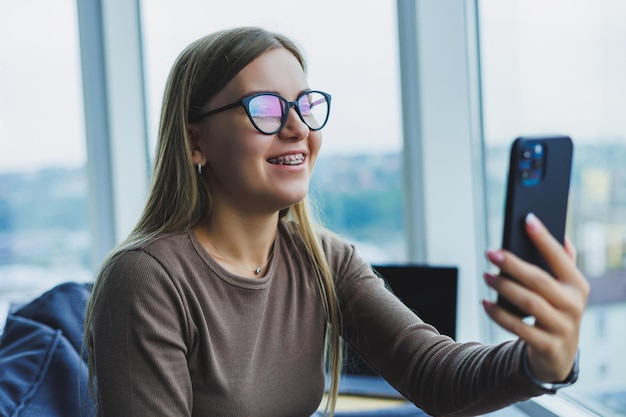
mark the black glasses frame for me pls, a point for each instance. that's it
(287, 105)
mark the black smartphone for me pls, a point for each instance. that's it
(538, 182)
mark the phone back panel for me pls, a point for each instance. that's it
(538, 182)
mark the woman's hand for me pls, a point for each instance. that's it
(556, 302)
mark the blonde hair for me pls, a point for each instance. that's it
(180, 199)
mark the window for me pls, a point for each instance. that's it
(558, 67)
(546, 67)
(358, 178)
(44, 236)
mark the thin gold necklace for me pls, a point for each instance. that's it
(256, 270)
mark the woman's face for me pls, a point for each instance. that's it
(247, 170)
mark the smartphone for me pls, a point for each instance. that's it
(538, 182)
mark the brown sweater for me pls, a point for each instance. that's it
(175, 334)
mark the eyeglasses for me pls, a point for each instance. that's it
(268, 112)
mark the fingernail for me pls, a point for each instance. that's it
(532, 221)
(495, 256)
(490, 278)
(488, 305)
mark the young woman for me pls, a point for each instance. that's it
(227, 300)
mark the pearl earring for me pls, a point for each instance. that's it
(200, 168)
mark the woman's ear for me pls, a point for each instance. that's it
(197, 156)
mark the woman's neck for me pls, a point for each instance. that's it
(242, 245)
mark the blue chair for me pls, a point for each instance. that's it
(42, 371)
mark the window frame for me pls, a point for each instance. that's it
(115, 119)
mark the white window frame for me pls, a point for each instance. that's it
(115, 118)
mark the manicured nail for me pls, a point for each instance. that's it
(488, 305)
(495, 256)
(532, 221)
(490, 278)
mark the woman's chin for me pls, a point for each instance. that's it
(292, 198)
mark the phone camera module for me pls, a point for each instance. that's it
(531, 164)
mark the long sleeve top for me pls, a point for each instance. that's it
(175, 334)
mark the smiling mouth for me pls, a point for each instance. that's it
(294, 159)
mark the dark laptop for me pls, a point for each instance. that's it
(430, 291)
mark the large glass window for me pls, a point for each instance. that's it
(558, 67)
(44, 236)
(358, 179)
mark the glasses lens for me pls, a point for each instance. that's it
(314, 109)
(267, 112)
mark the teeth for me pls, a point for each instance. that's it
(287, 160)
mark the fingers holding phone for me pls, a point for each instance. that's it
(556, 302)
(533, 289)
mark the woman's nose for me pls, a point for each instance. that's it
(294, 127)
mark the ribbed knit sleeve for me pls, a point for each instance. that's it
(140, 332)
(442, 377)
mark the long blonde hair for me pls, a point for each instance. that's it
(179, 199)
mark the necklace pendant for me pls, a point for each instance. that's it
(257, 271)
